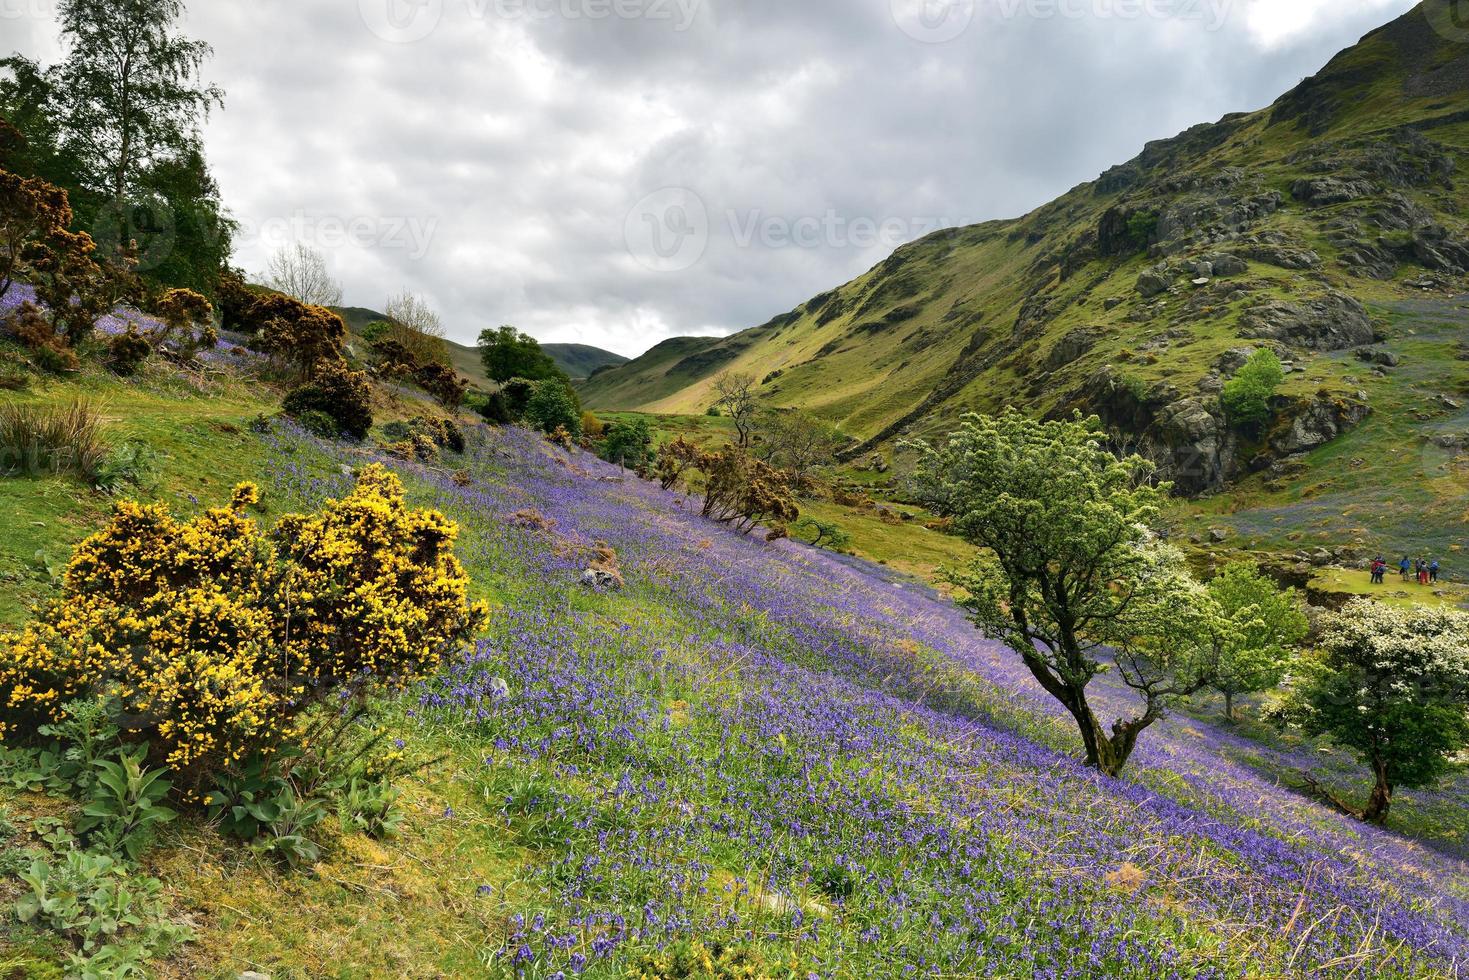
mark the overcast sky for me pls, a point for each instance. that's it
(616, 172)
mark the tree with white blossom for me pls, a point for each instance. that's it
(1391, 684)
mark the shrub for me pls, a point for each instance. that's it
(1246, 396)
(827, 534)
(443, 383)
(1142, 226)
(127, 351)
(742, 491)
(319, 424)
(37, 440)
(28, 324)
(392, 360)
(187, 322)
(553, 406)
(495, 409)
(339, 393)
(307, 336)
(517, 392)
(591, 426)
(435, 433)
(214, 637)
(629, 443)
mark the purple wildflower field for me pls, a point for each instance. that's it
(767, 746)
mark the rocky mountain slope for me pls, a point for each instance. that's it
(1303, 227)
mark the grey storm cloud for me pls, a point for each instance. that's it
(616, 172)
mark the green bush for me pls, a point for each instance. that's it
(553, 406)
(1246, 396)
(629, 443)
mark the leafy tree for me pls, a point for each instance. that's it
(629, 442)
(1246, 396)
(184, 235)
(734, 396)
(1066, 571)
(553, 405)
(507, 353)
(1262, 625)
(129, 89)
(1392, 685)
(300, 272)
(800, 444)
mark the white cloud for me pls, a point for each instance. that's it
(492, 164)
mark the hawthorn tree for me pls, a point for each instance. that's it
(1067, 574)
(1392, 685)
(735, 398)
(1262, 625)
(800, 444)
(628, 443)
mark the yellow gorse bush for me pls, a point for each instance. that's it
(213, 636)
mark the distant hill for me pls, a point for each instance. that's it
(1328, 227)
(577, 360)
(580, 361)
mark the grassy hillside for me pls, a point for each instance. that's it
(1328, 227)
(795, 764)
(577, 360)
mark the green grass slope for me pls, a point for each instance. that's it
(1345, 187)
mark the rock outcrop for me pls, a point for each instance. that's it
(1334, 321)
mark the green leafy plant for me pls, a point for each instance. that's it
(132, 463)
(244, 803)
(126, 806)
(368, 806)
(115, 922)
(286, 839)
(1246, 396)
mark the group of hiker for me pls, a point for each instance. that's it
(1424, 570)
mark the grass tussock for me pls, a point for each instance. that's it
(46, 440)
